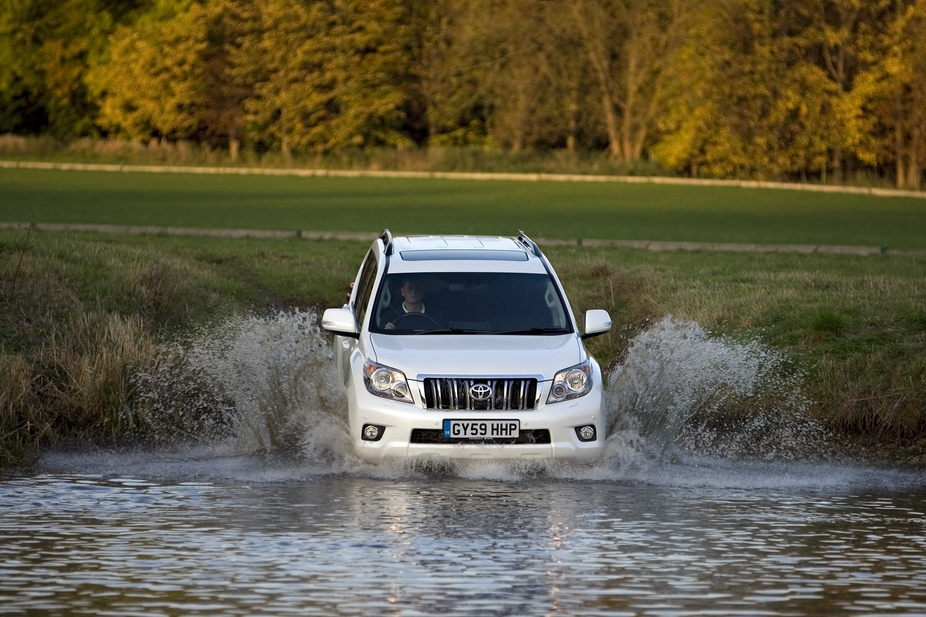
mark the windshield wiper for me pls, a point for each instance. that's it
(453, 331)
(525, 331)
(532, 331)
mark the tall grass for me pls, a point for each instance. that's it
(78, 385)
(458, 158)
(433, 158)
(19, 428)
(90, 364)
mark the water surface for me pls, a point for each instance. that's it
(272, 514)
(242, 536)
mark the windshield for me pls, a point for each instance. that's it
(469, 303)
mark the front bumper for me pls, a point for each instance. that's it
(401, 419)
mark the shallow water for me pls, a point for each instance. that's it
(191, 534)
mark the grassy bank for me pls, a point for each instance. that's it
(543, 209)
(81, 314)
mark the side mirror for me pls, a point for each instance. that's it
(597, 322)
(340, 321)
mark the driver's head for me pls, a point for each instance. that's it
(412, 291)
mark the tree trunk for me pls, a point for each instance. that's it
(573, 109)
(284, 139)
(913, 171)
(631, 86)
(614, 140)
(898, 151)
(520, 118)
(597, 56)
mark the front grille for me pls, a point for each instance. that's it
(498, 395)
(436, 436)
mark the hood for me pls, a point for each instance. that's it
(477, 355)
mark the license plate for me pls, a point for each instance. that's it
(481, 429)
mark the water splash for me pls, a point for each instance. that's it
(258, 385)
(679, 390)
(267, 386)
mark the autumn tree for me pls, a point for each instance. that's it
(785, 89)
(326, 74)
(720, 100)
(497, 53)
(46, 47)
(434, 29)
(538, 79)
(153, 81)
(845, 40)
(900, 102)
(727, 88)
(629, 45)
(169, 74)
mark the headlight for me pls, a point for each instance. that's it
(571, 383)
(386, 382)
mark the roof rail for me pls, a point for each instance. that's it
(386, 237)
(529, 244)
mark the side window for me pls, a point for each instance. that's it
(367, 279)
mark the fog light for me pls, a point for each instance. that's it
(586, 433)
(371, 432)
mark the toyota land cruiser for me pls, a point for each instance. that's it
(466, 347)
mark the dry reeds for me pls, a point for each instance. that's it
(16, 425)
(79, 385)
(93, 359)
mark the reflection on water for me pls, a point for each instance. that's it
(254, 544)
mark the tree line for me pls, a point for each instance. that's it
(769, 89)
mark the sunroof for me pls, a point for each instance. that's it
(463, 255)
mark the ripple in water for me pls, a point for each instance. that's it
(257, 399)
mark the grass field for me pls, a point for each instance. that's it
(543, 209)
(80, 312)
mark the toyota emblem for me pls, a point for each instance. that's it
(480, 392)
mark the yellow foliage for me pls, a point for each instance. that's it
(340, 82)
(154, 82)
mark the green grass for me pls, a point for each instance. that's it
(170, 282)
(543, 209)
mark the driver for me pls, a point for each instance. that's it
(412, 302)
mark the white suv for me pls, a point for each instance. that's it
(466, 347)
